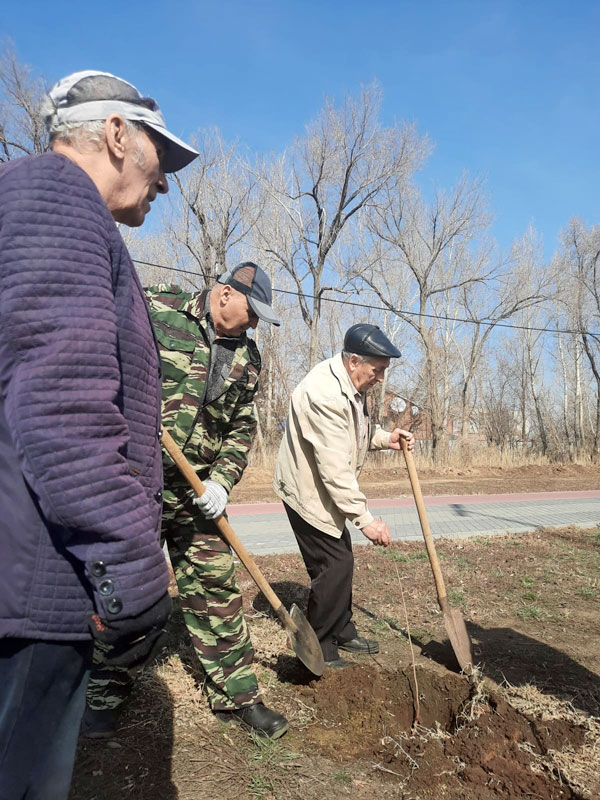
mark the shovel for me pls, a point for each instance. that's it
(302, 637)
(455, 624)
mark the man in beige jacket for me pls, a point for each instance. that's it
(328, 433)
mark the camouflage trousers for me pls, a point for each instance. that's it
(212, 609)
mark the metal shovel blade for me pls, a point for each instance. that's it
(459, 638)
(304, 642)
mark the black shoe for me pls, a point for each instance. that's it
(99, 723)
(339, 663)
(258, 718)
(360, 645)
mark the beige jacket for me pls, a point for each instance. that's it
(320, 458)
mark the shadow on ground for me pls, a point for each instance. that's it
(138, 763)
(288, 668)
(288, 592)
(507, 656)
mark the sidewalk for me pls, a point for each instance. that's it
(264, 528)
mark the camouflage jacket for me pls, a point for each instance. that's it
(216, 436)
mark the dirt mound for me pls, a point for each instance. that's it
(477, 745)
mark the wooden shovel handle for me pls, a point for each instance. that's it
(227, 531)
(431, 551)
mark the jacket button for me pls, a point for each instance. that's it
(106, 588)
(158, 496)
(159, 433)
(114, 605)
(98, 569)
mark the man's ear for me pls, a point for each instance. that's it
(116, 136)
(226, 292)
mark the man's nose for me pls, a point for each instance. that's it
(162, 184)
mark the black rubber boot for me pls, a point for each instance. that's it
(258, 718)
(99, 723)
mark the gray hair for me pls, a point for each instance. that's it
(85, 136)
(78, 134)
(361, 359)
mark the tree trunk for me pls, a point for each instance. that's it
(596, 446)
(259, 437)
(269, 404)
(565, 408)
(540, 417)
(436, 410)
(313, 355)
(380, 410)
(578, 405)
(595, 451)
(465, 403)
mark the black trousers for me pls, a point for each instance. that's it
(42, 697)
(330, 565)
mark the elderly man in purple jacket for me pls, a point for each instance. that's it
(80, 461)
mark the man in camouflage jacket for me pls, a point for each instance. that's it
(210, 375)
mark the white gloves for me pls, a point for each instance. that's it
(213, 501)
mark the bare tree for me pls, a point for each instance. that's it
(500, 405)
(428, 254)
(22, 128)
(532, 341)
(217, 205)
(580, 262)
(578, 426)
(339, 168)
(152, 253)
(562, 358)
(523, 282)
(280, 372)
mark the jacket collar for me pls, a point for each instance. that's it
(341, 373)
(196, 305)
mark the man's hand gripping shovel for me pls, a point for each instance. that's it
(302, 637)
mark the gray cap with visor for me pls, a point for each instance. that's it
(249, 279)
(91, 95)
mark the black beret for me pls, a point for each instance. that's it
(369, 340)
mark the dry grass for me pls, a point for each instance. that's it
(230, 761)
(580, 768)
(472, 455)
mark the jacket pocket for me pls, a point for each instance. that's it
(176, 354)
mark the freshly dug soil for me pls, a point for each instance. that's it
(482, 747)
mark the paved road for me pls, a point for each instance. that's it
(264, 528)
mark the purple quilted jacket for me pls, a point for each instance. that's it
(80, 462)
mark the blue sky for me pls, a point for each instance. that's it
(508, 90)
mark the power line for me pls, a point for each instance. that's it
(399, 312)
